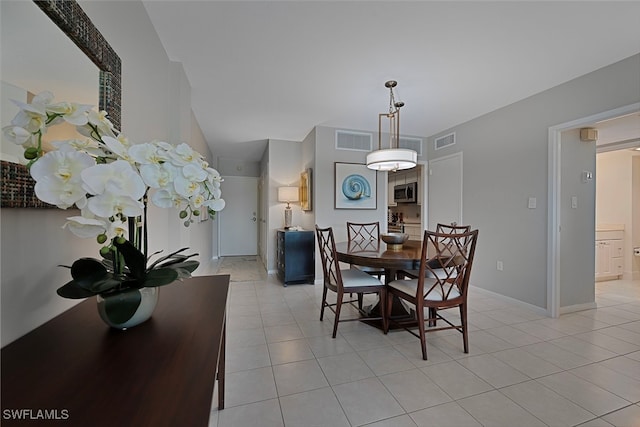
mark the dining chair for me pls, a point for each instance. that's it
(442, 283)
(341, 281)
(452, 228)
(365, 231)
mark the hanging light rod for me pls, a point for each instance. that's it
(392, 158)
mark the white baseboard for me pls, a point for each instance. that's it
(535, 308)
(578, 307)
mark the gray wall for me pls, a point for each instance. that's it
(505, 163)
(155, 105)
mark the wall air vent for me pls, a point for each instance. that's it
(355, 141)
(445, 141)
(414, 144)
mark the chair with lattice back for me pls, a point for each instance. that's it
(452, 228)
(442, 283)
(365, 231)
(344, 281)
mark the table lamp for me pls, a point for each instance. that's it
(287, 195)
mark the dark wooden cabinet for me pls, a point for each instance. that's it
(295, 256)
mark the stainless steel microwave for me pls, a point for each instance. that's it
(406, 193)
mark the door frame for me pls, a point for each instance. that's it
(428, 203)
(256, 180)
(554, 199)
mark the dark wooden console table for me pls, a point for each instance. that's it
(160, 373)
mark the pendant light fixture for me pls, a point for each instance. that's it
(392, 158)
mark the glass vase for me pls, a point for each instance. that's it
(127, 308)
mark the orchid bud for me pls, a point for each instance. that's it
(104, 251)
(31, 153)
(101, 238)
(183, 214)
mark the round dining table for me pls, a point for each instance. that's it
(376, 253)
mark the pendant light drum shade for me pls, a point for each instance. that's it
(392, 158)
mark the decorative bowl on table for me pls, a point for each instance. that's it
(394, 240)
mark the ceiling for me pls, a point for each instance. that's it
(273, 70)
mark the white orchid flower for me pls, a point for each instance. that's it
(88, 146)
(158, 176)
(58, 176)
(166, 198)
(110, 204)
(30, 121)
(118, 148)
(73, 113)
(117, 228)
(194, 173)
(185, 187)
(183, 154)
(216, 192)
(60, 193)
(197, 201)
(39, 103)
(118, 178)
(85, 227)
(148, 153)
(215, 204)
(64, 166)
(16, 134)
(100, 120)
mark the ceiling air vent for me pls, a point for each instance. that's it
(414, 144)
(445, 141)
(356, 141)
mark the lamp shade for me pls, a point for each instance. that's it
(392, 159)
(288, 194)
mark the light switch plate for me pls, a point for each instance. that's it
(532, 202)
(574, 202)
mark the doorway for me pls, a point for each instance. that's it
(238, 222)
(445, 190)
(556, 198)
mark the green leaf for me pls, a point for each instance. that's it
(89, 274)
(73, 291)
(87, 267)
(160, 277)
(122, 306)
(189, 266)
(133, 258)
(171, 255)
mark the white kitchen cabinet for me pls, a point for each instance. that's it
(414, 231)
(609, 254)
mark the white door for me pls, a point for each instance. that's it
(445, 190)
(238, 222)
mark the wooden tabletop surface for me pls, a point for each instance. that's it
(159, 373)
(376, 253)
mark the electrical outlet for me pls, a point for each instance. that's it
(500, 266)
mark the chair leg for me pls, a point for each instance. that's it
(360, 300)
(337, 319)
(383, 312)
(324, 302)
(465, 335)
(423, 338)
(388, 308)
(432, 316)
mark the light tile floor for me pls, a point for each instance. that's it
(523, 369)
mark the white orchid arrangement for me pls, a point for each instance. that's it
(110, 180)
